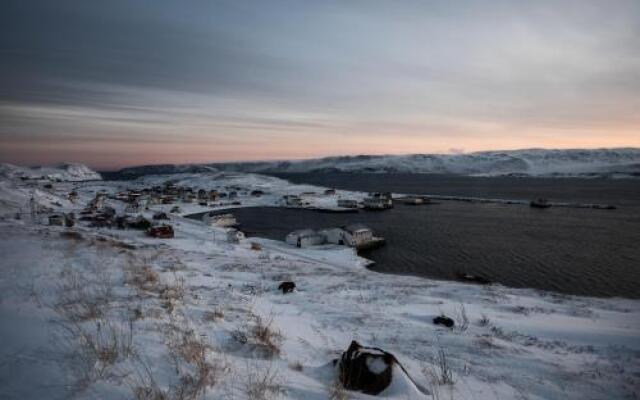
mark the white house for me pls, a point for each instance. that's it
(304, 238)
(222, 220)
(354, 235)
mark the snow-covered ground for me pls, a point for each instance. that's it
(111, 314)
(624, 162)
(64, 172)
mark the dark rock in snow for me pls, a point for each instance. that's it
(287, 287)
(366, 369)
(443, 320)
(464, 277)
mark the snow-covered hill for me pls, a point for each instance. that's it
(63, 172)
(623, 162)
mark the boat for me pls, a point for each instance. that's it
(540, 203)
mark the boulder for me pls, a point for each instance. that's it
(444, 321)
(287, 287)
(366, 369)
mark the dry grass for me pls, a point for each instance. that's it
(213, 316)
(262, 383)
(81, 299)
(144, 278)
(484, 321)
(461, 319)
(445, 373)
(267, 337)
(192, 358)
(337, 391)
(95, 348)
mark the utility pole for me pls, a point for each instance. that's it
(33, 206)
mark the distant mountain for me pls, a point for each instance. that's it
(62, 172)
(622, 162)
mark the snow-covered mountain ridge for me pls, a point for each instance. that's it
(620, 162)
(62, 172)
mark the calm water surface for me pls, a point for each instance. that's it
(576, 251)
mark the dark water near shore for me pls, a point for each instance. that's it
(576, 251)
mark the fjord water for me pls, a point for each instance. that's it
(569, 250)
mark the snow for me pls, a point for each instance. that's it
(64, 172)
(519, 343)
(618, 162)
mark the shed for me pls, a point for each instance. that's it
(305, 238)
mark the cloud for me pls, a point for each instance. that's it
(490, 74)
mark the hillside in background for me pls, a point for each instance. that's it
(624, 162)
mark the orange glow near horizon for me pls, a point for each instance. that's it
(114, 155)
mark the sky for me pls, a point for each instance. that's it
(119, 83)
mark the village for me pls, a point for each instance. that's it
(150, 210)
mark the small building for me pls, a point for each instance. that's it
(372, 203)
(347, 203)
(378, 201)
(221, 220)
(354, 235)
(161, 232)
(213, 195)
(305, 238)
(233, 194)
(330, 192)
(202, 194)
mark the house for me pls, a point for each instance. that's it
(202, 194)
(161, 232)
(372, 203)
(233, 195)
(378, 201)
(234, 236)
(354, 235)
(347, 203)
(305, 238)
(222, 220)
(132, 208)
(213, 195)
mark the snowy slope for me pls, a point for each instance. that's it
(623, 162)
(63, 172)
(167, 298)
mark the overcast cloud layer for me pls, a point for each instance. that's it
(118, 83)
